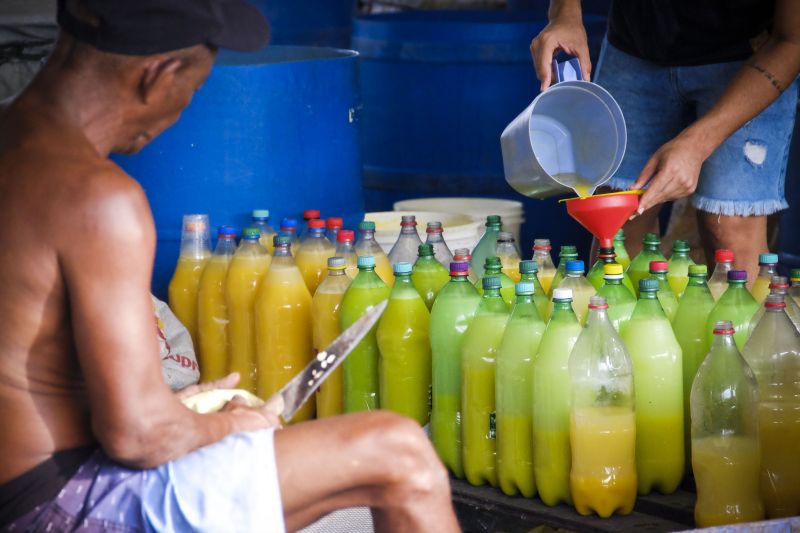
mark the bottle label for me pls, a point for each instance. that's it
(493, 425)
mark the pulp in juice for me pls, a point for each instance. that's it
(182, 291)
(779, 430)
(212, 320)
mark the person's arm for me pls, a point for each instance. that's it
(564, 32)
(674, 169)
(106, 267)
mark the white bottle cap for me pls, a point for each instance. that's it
(562, 294)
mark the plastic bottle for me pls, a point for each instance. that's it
(581, 289)
(689, 326)
(462, 254)
(260, 219)
(768, 267)
(248, 266)
(658, 380)
(514, 394)
(667, 299)
(361, 366)
(195, 253)
(528, 271)
(794, 290)
(640, 266)
(289, 228)
(487, 246)
(308, 216)
(509, 255)
(596, 275)
(346, 249)
(435, 238)
(212, 312)
(725, 447)
(451, 316)
(736, 305)
(333, 225)
(567, 253)
(493, 268)
(478, 352)
(773, 352)
(429, 275)
(779, 285)
(679, 262)
(325, 307)
(718, 282)
(621, 301)
(551, 402)
(404, 367)
(602, 423)
(284, 340)
(541, 254)
(367, 245)
(312, 259)
(619, 248)
(405, 249)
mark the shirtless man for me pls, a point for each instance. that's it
(92, 437)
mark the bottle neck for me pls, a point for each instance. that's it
(528, 276)
(282, 250)
(696, 281)
(251, 243)
(316, 234)
(523, 299)
(724, 341)
(562, 260)
(737, 285)
(613, 281)
(597, 317)
(651, 247)
(492, 271)
(562, 309)
(344, 247)
(660, 276)
(648, 295)
(766, 270)
(459, 278)
(225, 246)
(333, 272)
(367, 235)
(491, 293)
(408, 230)
(401, 280)
(435, 236)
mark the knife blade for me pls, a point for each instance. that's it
(294, 394)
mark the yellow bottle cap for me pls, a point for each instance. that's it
(612, 269)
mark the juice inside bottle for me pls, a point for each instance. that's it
(725, 445)
(325, 328)
(407, 244)
(541, 254)
(247, 268)
(479, 350)
(679, 262)
(361, 366)
(260, 220)
(212, 311)
(345, 248)
(619, 248)
(487, 246)
(528, 270)
(621, 301)
(283, 326)
(435, 238)
(333, 225)
(312, 260)
(567, 253)
(451, 315)
(367, 245)
(195, 252)
(639, 268)
(658, 381)
(429, 275)
(718, 282)
(768, 267)
(581, 289)
(493, 268)
(667, 299)
(551, 402)
(404, 367)
(509, 255)
(736, 305)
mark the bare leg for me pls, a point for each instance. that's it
(635, 229)
(378, 460)
(746, 236)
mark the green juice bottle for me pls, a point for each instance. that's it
(360, 374)
(679, 264)
(429, 276)
(493, 268)
(737, 305)
(528, 271)
(622, 253)
(689, 326)
(639, 268)
(514, 394)
(487, 246)
(596, 275)
(404, 367)
(620, 300)
(551, 402)
(478, 353)
(658, 381)
(567, 253)
(451, 316)
(667, 299)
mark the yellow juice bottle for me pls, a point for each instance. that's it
(478, 353)
(247, 268)
(325, 328)
(404, 367)
(260, 220)
(367, 245)
(509, 255)
(212, 311)
(195, 252)
(346, 249)
(768, 267)
(312, 259)
(283, 326)
(547, 270)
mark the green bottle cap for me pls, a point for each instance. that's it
(680, 246)
(260, 213)
(525, 288)
(648, 285)
(652, 239)
(366, 261)
(492, 262)
(568, 250)
(698, 270)
(620, 236)
(492, 220)
(253, 233)
(529, 266)
(425, 250)
(491, 282)
(281, 240)
(366, 225)
(402, 268)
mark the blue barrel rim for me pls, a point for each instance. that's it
(230, 59)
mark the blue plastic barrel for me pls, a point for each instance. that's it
(439, 88)
(274, 129)
(309, 22)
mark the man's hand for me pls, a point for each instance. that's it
(672, 173)
(228, 382)
(566, 33)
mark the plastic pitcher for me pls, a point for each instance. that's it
(572, 136)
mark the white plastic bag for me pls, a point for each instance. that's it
(178, 361)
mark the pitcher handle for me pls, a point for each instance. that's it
(569, 70)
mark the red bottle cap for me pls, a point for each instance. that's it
(345, 235)
(723, 256)
(310, 214)
(659, 266)
(335, 222)
(316, 223)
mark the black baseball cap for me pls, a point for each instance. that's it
(145, 27)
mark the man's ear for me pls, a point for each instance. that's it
(157, 78)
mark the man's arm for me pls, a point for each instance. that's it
(564, 32)
(107, 267)
(674, 169)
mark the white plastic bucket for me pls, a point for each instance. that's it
(460, 230)
(510, 211)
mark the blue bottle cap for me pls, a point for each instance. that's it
(492, 282)
(768, 259)
(525, 288)
(226, 231)
(366, 261)
(402, 268)
(574, 266)
(289, 223)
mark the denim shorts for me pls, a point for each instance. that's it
(745, 175)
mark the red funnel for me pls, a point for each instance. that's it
(604, 214)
